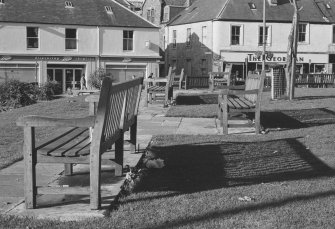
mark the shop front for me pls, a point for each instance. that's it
(66, 70)
(122, 69)
(252, 61)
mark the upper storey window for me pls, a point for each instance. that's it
(70, 39)
(32, 37)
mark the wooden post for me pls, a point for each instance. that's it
(30, 167)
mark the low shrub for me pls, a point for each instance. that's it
(95, 79)
(14, 94)
(48, 90)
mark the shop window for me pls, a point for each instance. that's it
(21, 72)
(235, 35)
(302, 33)
(267, 39)
(32, 37)
(70, 39)
(128, 40)
(188, 37)
(121, 73)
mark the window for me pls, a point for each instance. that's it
(128, 40)
(109, 9)
(70, 39)
(333, 34)
(152, 15)
(148, 15)
(204, 36)
(166, 14)
(68, 4)
(188, 37)
(252, 6)
(174, 38)
(302, 33)
(32, 37)
(235, 35)
(266, 41)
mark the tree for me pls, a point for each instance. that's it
(292, 52)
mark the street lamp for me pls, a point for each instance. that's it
(264, 40)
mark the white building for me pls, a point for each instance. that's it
(209, 34)
(62, 40)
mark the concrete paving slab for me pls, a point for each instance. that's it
(198, 126)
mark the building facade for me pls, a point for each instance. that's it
(204, 38)
(64, 40)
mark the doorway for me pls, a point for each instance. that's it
(67, 76)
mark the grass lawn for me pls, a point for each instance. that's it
(283, 179)
(12, 136)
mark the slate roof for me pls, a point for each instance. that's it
(313, 11)
(175, 2)
(84, 12)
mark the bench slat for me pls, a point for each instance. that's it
(76, 143)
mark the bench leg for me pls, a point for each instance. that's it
(133, 135)
(224, 119)
(68, 169)
(150, 98)
(29, 167)
(258, 121)
(220, 115)
(119, 155)
(95, 180)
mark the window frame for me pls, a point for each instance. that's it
(188, 37)
(232, 35)
(267, 35)
(37, 37)
(128, 41)
(333, 34)
(241, 36)
(71, 39)
(174, 39)
(306, 32)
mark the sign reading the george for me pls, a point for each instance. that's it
(273, 58)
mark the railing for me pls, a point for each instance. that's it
(315, 80)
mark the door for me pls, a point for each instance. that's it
(69, 79)
(58, 76)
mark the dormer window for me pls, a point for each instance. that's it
(328, 6)
(2, 1)
(68, 4)
(252, 5)
(109, 9)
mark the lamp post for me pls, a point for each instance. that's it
(264, 40)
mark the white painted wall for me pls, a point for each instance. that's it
(112, 42)
(51, 38)
(319, 37)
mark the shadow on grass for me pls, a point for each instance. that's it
(296, 119)
(193, 168)
(196, 99)
(315, 97)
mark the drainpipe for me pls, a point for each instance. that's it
(99, 52)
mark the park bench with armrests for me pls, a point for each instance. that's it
(78, 145)
(217, 79)
(154, 87)
(240, 101)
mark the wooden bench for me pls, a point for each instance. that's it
(239, 101)
(155, 87)
(315, 80)
(78, 145)
(220, 78)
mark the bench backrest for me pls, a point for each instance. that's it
(116, 108)
(254, 82)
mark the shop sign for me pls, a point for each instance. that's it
(5, 58)
(126, 60)
(270, 58)
(64, 58)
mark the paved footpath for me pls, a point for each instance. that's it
(151, 121)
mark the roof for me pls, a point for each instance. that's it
(84, 12)
(175, 2)
(313, 11)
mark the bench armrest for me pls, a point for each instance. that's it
(39, 121)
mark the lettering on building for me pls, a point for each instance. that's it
(273, 58)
